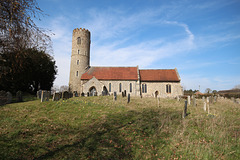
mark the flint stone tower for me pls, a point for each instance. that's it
(80, 58)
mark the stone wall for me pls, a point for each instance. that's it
(98, 84)
(80, 58)
(160, 87)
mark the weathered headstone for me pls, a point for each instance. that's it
(211, 100)
(3, 98)
(188, 100)
(9, 97)
(194, 101)
(43, 96)
(204, 106)
(115, 96)
(208, 105)
(65, 95)
(185, 109)
(215, 99)
(19, 96)
(56, 97)
(203, 98)
(128, 98)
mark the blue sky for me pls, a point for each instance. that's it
(200, 38)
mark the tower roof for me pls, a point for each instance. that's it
(159, 75)
(111, 73)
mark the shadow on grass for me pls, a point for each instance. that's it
(115, 136)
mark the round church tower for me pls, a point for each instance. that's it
(80, 58)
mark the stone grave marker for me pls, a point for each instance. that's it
(204, 106)
(188, 100)
(215, 99)
(208, 105)
(185, 109)
(43, 96)
(65, 95)
(3, 98)
(128, 98)
(9, 97)
(178, 99)
(19, 96)
(56, 96)
(194, 101)
(115, 96)
(203, 98)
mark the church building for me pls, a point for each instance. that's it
(92, 80)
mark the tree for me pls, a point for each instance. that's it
(63, 88)
(208, 90)
(26, 70)
(18, 29)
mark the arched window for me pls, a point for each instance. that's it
(78, 51)
(120, 87)
(79, 40)
(77, 73)
(77, 62)
(144, 88)
(168, 88)
(110, 87)
(130, 87)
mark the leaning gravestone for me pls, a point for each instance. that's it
(204, 106)
(39, 93)
(19, 96)
(9, 97)
(48, 95)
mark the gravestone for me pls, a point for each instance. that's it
(3, 98)
(115, 96)
(56, 96)
(185, 109)
(65, 95)
(194, 101)
(178, 99)
(48, 95)
(204, 106)
(128, 97)
(208, 105)
(39, 93)
(19, 96)
(203, 98)
(211, 100)
(188, 100)
(9, 97)
(43, 96)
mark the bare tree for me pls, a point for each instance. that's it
(63, 88)
(208, 90)
(18, 29)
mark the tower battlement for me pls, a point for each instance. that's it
(76, 30)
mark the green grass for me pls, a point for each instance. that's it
(99, 128)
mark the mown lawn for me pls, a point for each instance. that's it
(99, 128)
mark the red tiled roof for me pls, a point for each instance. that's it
(111, 73)
(159, 75)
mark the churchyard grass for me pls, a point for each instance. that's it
(100, 128)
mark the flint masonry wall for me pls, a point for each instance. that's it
(80, 58)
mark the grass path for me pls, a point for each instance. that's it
(99, 128)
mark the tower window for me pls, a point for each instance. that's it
(168, 88)
(79, 40)
(110, 87)
(77, 73)
(78, 51)
(77, 62)
(120, 87)
(130, 87)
